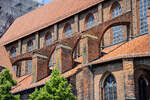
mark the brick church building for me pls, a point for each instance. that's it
(101, 46)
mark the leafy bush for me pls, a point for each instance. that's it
(6, 82)
(57, 88)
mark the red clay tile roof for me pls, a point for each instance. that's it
(5, 61)
(45, 16)
(25, 82)
(138, 47)
(112, 48)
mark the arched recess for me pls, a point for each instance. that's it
(67, 29)
(116, 32)
(142, 82)
(75, 45)
(101, 34)
(114, 4)
(48, 39)
(107, 76)
(89, 21)
(13, 51)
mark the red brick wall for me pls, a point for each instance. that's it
(63, 58)
(39, 67)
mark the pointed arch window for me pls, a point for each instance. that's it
(117, 30)
(143, 88)
(13, 52)
(143, 5)
(110, 88)
(30, 46)
(48, 39)
(90, 21)
(68, 29)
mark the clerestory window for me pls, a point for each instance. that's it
(68, 29)
(90, 21)
(117, 30)
(30, 46)
(13, 52)
(48, 39)
(143, 5)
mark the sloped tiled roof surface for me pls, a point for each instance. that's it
(138, 47)
(5, 61)
(25, 82)
(45, 16)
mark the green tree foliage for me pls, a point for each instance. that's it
(57, 88)
(6, 82)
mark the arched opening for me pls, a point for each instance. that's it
(90, 20)
(142, 81)
(113, 24)
(117, 32)
(68, 29)
(108, 87)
